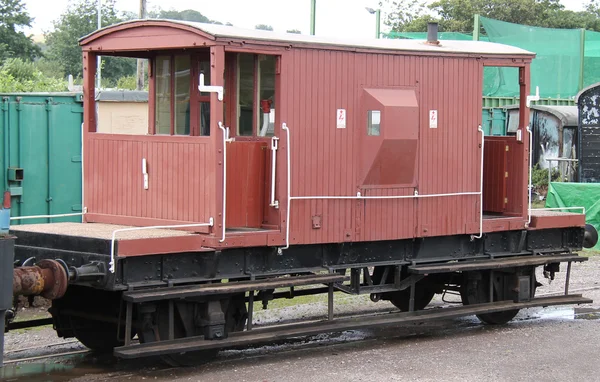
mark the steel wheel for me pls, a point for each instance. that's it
(90, 316)
(424, 291)
(236, 316)
(475, 290)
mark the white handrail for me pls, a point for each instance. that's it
(274, 147)
(289, 198)
(559, 208)
(210, 89)
(46, 216)
(114, 236)
(359, 196)
(480, 129)
(225, 140)
(530, 186)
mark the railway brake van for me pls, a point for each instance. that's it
(281, 165)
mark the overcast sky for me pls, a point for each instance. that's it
(334, 17)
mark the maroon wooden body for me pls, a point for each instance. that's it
(329, 165)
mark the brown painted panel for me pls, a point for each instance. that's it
(386, 219)
(518, 177)
(186, 173)
(394, 163)
(494, 175)
(246, 165)
(449, 155)
(179, 178)
(553, 219)
(147, 36)
(326, 161)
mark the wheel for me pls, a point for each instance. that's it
(98, 336)
(424, 291)
(475, 290)
(90, 316)
(401, 299)
(235, 320)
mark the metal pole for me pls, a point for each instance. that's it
(476, 28)
(313, 8)
(378, 21)
(99, 65)
(140, 63)
(582, 59)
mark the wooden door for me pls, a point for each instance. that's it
(495, 176)
(246, 183)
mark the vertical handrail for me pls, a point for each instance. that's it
(6, 107)
(530, 186)
(480, 129)
(83, 209)
(288, 147)
(49, 155)
(225, 140)
(274, 147)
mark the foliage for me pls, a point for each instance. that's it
(185, 15)
(50, 68)
(457, 15)
(296, 31)
(13, 42)
(127, 83)
(539, 179)
(264, 27)
(78, 21)
(18, 76)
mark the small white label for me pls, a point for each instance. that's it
(340, 117)
(433, 119)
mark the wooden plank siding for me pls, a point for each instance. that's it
(180, 179)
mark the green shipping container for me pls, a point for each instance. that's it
(41, 154)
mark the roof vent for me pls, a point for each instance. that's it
(432, 33)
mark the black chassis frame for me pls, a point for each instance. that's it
(244, 263)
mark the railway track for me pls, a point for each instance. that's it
(46, 356)
(47, 349)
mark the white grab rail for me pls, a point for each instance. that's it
(359, 196)
(530, 186)
(225, 140)
(115, 232)
(47, 216)
(274, 147)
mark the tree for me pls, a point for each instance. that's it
(13, 42)
(186, 15)
(264, 27)
(78, 21)
(457, 15)
(296, 31)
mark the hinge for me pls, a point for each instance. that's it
(507, 148)
(505, 200)
(506, 174)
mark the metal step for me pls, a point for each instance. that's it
(267, 335)
(231, 287)
(497, 263)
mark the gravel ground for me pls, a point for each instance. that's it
(556, 343)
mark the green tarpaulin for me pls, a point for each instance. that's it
(577, 195)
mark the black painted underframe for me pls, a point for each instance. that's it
(243, 263)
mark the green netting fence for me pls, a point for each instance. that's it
(571, 195)
(567, 60)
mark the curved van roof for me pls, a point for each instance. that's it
(218, 32)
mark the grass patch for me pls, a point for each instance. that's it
(538, 204)
(589, 252)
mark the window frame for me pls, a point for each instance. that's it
(195, 96)
(235, 112)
